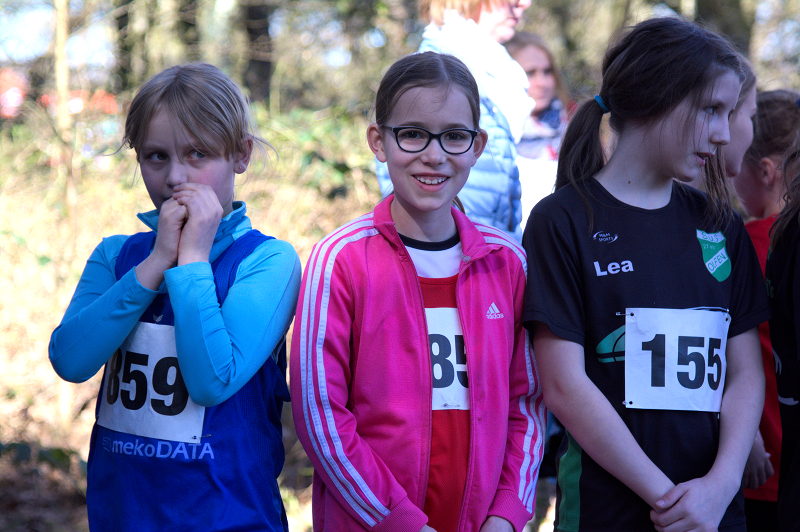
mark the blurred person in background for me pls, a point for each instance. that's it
(757, 173)
(545, 125)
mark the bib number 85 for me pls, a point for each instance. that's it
(441, 352)
(166, 381)
(693, 378)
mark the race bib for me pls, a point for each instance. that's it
(143, 389)
(675, 358)
(448, 360)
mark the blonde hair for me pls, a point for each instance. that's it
(433, 10)
(208, 104)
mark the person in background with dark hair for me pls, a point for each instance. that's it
(757, 174)
(473, 31)
(644, 294)
(783, 285)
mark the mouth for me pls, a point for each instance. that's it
(703, 157)
(430, 180)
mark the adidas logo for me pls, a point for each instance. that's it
(494, 313)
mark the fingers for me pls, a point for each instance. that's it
(666, 514)
(204, 212)
(171, 218)
(669, 499)
(200, 199)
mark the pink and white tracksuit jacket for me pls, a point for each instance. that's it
(361, 379)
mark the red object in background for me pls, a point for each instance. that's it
(13, 88)
(99, 101)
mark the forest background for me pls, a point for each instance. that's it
(311, 68)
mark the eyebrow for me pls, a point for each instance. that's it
(424, 126)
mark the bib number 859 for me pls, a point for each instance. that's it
(123, 370)
(687, 356)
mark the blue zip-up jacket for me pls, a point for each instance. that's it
(233, 341)
(143, 474)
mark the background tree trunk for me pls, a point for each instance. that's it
(257, 77)
(729, 18)
(187, 28)
(122, 79)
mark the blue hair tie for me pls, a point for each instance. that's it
(797, 103)
(601, 104)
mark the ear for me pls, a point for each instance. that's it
(376, 142)
(768, 172)
(241, 160)
(480, 143)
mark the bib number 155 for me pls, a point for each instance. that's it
(675, 358)
(695, 362)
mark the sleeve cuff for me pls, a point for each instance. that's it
(405, 517)
(507, 505)
(187, 271)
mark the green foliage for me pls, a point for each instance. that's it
(58, 458)
(20, 241)
(325, 149)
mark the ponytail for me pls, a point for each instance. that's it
(581, 155)
(655, 66)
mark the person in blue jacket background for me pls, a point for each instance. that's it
(475, 36)
(189, 321)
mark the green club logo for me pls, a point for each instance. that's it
(715, 256)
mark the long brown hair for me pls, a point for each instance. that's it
(777, 123)
(653, 68)
(791, 175)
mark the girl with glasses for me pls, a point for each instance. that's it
(414, 390)
(473, 31)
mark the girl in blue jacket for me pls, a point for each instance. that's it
(188, 321)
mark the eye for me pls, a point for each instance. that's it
(456, 135)
(411, 133)
(711, 109)
(197, 154)
(155, 156)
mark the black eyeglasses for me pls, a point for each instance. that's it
(414, 139)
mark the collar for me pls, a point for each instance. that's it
(473, 244)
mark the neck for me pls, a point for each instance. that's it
(433, 226)
(631, 179)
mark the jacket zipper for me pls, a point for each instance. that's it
(471, 456)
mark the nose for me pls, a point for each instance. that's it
(721, 131)
(433, 153)
(520, 5)
(177, 173)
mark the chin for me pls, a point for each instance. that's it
(693, 180)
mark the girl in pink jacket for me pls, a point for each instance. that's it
(414, 389)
